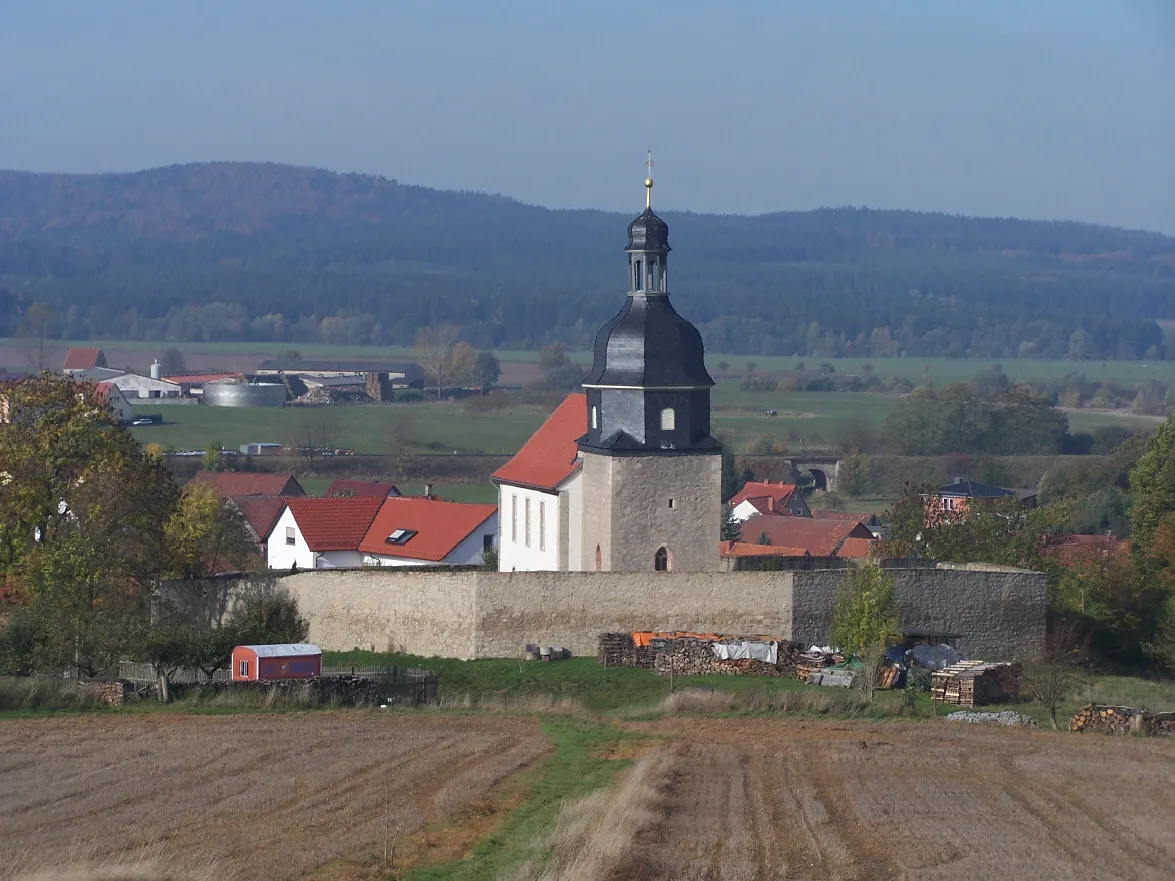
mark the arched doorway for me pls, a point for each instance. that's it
(661, 560)
(599, 558)
(819, 480)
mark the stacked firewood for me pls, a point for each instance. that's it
(1122, 720)
(687, 656)
(812, 662)
(975, 683)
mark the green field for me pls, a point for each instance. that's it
(915, 369)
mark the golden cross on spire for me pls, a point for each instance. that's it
(649, 182)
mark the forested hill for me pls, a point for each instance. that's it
(258, 251)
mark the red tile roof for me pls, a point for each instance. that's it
(234, 484)
(260, 512)
(821, 538)
(765, 496)
(550, 456)
(1073, 550)
(747, 549)
(363, 488)
(439, 526)
(333, 524)
(857, 548)
(80, 359)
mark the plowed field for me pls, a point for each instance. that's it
(788, 800)
(258, 796)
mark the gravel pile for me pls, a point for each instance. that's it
(1006, 718)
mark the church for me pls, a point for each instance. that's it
(624, 476)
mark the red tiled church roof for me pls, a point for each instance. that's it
(550, 456)
(234, 484)
(333, 524)
(749, 549)
(439, 527)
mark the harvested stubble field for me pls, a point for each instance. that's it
(756, 799)
(254, 795)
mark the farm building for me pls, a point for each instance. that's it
(286, 661)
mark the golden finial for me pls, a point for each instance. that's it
(649, 182)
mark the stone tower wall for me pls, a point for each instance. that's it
(627, 513)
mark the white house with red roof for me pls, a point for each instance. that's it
(540, 496)
(765, 497)
(119, 405)
(315, 533)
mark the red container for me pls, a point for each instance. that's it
(290, 661)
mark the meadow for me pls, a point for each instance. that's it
(804, 420)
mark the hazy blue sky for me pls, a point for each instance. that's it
(1032, 108)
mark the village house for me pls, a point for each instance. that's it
(809, 536)
(82, 359)
(953, 499)
(765, 497)
(422, 531)
(353, 531)
(119, 405)
(313, 533)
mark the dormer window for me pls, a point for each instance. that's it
(400, 536)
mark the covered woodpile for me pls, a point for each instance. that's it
(692, 654)
(1122, 720)
(975, 683)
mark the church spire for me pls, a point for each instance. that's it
(649, 184)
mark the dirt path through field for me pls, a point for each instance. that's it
(810, 800)
(261, 796)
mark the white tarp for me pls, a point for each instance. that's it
(934, 657)
(747, 649)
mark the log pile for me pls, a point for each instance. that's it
(1122, 720)
(619, 650)
(690, 656)
(810, 663)
(975, 683)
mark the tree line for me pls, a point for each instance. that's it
(245, 252)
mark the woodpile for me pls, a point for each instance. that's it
(810, 663)
(975, 683)
(690, 656)
(1122, 720)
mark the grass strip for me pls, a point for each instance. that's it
(582, 761)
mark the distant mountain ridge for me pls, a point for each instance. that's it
(255, 250)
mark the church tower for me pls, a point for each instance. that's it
(652, 474)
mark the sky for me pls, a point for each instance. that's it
(1051, 109)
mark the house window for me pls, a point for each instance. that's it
(527, 524)
(542, 525)
(514, 518)
(668, 419)
(290, 533)
(595, 417)
(661, 560)
(487, 542)
(244, 669)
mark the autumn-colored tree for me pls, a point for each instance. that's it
(205, 536)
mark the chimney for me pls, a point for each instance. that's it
(428, 491)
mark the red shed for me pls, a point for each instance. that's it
(290, 661)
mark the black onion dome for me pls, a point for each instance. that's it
(648, 345)
(648, 233)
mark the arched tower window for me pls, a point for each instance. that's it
(668, 419)
(595, 417)
(661, 560)
(599, 558)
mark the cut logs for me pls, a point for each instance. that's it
(1122, 720)
(975, 683)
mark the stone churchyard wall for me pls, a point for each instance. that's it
(996, 612)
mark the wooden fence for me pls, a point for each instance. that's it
(397, 685)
